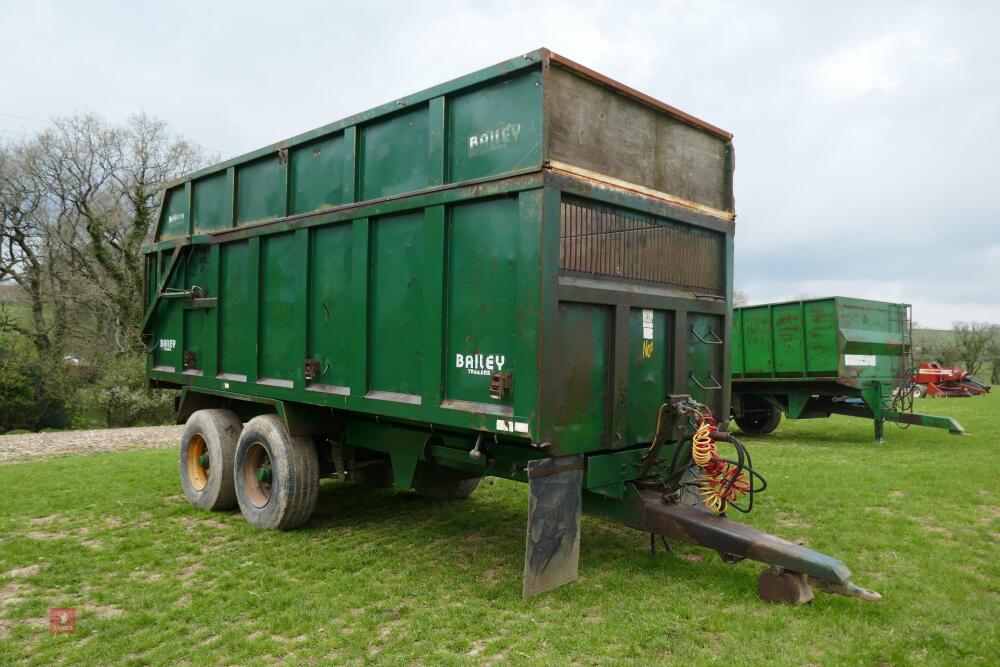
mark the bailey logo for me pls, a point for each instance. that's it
(499, 137)
(480, 364)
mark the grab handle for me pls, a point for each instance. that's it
(710, 377)
(717, 341)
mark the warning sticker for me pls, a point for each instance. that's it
(859, 359)
(647, 324)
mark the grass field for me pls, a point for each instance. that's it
(18, 312)
(386, 577)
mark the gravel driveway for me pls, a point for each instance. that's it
(35, 445)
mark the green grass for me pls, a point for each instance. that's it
(386, 577)
(19, 313)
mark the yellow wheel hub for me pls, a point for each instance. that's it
(198, 464)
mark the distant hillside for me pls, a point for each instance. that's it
(12, 294)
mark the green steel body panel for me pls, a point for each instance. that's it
(394, 155)
(257, 195)
(396, 283)
(386, 265)
(650, 376)
(481, 314)
(238, 309)
(332, 301)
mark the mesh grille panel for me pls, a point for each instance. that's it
(598, 240)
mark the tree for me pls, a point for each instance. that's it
(974, 342)
(994, 357)
(79, 201)
(26, 252)
(740, 298)
(123, 397)
(36, 392)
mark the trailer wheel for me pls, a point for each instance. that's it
(208, 448)
(458, 489)
(277, 476)
(761, 421)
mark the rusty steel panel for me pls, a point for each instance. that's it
(596, 128)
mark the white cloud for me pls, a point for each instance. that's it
(880, 64)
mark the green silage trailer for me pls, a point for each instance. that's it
(525, 273)
(817, 357)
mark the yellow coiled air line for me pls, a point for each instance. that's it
(719, 483)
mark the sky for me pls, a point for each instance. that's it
(867, 134)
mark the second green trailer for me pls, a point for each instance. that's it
(816, 357)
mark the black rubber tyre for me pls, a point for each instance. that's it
(208, 448)
(761, 421)
(458, 489)
(276, 475)
(375, 475)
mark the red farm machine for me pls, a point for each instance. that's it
(946, 382)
